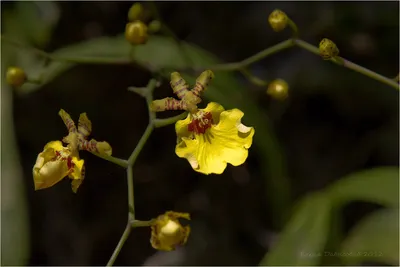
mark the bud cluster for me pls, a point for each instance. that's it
(136, 30)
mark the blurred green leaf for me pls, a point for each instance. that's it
(162, 52)
(14, 215)
(379, 185)
(375, 239)
(25, 23)
(36, 20)
(303, 240)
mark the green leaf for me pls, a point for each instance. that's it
(378, 185)
(164, 53)
(303, 240)
(14, 214)
(36, 20)
(375, 239)
(24, 25)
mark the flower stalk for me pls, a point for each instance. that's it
(348, 64)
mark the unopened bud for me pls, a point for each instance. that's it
(136, 33)
(278, 20)
(135, 12)
(15, 76)
(154, 26)
(278, 89)
(328, 49)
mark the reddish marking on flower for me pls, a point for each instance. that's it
(70, 164)
(200, 126)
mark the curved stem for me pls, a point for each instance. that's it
(294, 28)
(158, 123)
(121, 162)
(350, 65)
(121, 243)
(253, 79)
(257, 57)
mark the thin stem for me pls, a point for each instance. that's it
(158, 123)
(121, 162)
(131, 193)
(137, 223)
(149, 98)
(294, 28)
(257, 57)
(121, 243)
(370, 73)
(350, 65)
(253, 79)
(267, 52)
(141, 144)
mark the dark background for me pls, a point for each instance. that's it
(335, 122)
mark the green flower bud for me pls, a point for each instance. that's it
(328, 49)
(135, 12)
(15, 76)
(278, 89)
(154, 26)
(136, 32)
(278, 20)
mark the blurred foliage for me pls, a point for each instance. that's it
(375, 239)
(304, 239)
(304, 236)
(23, 23)
(336, 124)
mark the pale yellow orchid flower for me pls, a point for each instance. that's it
(55, 163)
(167, 233)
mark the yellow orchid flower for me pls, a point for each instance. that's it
(55, 163)
(213, 137)
(167, 233)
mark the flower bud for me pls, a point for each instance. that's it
(136, 33)
(154, 26)
(328, 49)
(278, 20)
(135, 12)
(16, 76)
(167, 233)
(278, 89)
